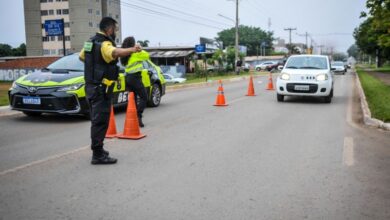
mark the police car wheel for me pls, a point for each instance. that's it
(155, 96)
(32, 114)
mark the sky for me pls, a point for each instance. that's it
(182, 22)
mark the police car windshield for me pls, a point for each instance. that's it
(70, 63)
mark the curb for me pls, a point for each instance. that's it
(368, 120)
(6, 111)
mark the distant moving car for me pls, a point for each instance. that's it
(268, 65)
(171, 79)
(338, 67)
(306, 75)
(59, 88)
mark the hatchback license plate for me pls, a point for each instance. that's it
(31, 100)
(302, 88)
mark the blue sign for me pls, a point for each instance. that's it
(200, 48)
(54, 27)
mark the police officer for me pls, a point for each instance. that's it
(100, 57)
(135, 77)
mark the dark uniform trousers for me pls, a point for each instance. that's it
(100, 107)
(134, 84)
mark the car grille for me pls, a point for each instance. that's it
(48, 103)
(312, 87)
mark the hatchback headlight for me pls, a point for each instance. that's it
(14, 85)
(322, 77)
(285, 76)
(70, 88)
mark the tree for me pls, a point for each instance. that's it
(353, 51)
(293, 48)
(144, 43)
(373, 35)
(5, 50)
(251, 37)
(19, 51)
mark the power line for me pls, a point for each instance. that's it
(162, 14)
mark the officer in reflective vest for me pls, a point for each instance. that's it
(135, 76)
(100, 57)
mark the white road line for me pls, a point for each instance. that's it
(348, 152)
(15, 169)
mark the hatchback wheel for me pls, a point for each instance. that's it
(280, 97)
(155, 98)
(328, 99)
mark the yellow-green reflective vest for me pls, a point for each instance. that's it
(134, 65)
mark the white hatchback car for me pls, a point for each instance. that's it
(306, 75)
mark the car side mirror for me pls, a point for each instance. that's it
(280, 67)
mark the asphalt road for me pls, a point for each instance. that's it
(255, 159)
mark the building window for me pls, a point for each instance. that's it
(53, 52)
(65, 11)
(60, 38)
(52, 38)
(43, 26)
(59, 11)
(89, 11)
(51, 12)
(43, 12)
(67, 38)
(45, 39)
(43, 1)
(46, 52)
(90, 24)
(97, 12)
(50, 1)
(58, 0)
(66, 24)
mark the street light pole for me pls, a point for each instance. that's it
(236, 43)
(290, 29)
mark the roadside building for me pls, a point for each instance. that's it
(12, 68)
(81, 21)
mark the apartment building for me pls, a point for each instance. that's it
(81, 21)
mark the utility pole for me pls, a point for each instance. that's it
(290, 29)
(321, 46)
(236, 43)
(307, 46)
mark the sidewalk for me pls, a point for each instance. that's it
(6, 111)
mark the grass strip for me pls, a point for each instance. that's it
(377, 94)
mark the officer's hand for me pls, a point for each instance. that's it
(138, 47)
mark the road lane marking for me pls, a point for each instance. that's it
(348, 152)
(47, 159)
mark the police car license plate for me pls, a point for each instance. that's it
(302, 88)
(31, 100)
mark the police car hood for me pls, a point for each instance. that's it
(52, 78)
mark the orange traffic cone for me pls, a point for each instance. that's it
(131, 129)
(220, 97)
(270, 85)
(111, 131)
(251, 89)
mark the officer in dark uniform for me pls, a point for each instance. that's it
(100, 57)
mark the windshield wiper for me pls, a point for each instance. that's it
(45, 69)
(310, 67)
(292, 67)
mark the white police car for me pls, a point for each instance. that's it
(306, 75)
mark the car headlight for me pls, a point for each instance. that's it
(70, 88)
(322, 77)
(14, 85)
(285, 76)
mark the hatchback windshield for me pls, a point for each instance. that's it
(70, 62)
(337, 64)
(307, 62)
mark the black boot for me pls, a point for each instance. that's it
(140, 123)
(101, 157)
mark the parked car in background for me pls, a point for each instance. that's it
(306, 75)
(268, 65)
(338, 67)
(171, 79)
(247, 67)
(59, 88)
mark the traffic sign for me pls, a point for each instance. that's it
(54, 27)
(200, 48)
